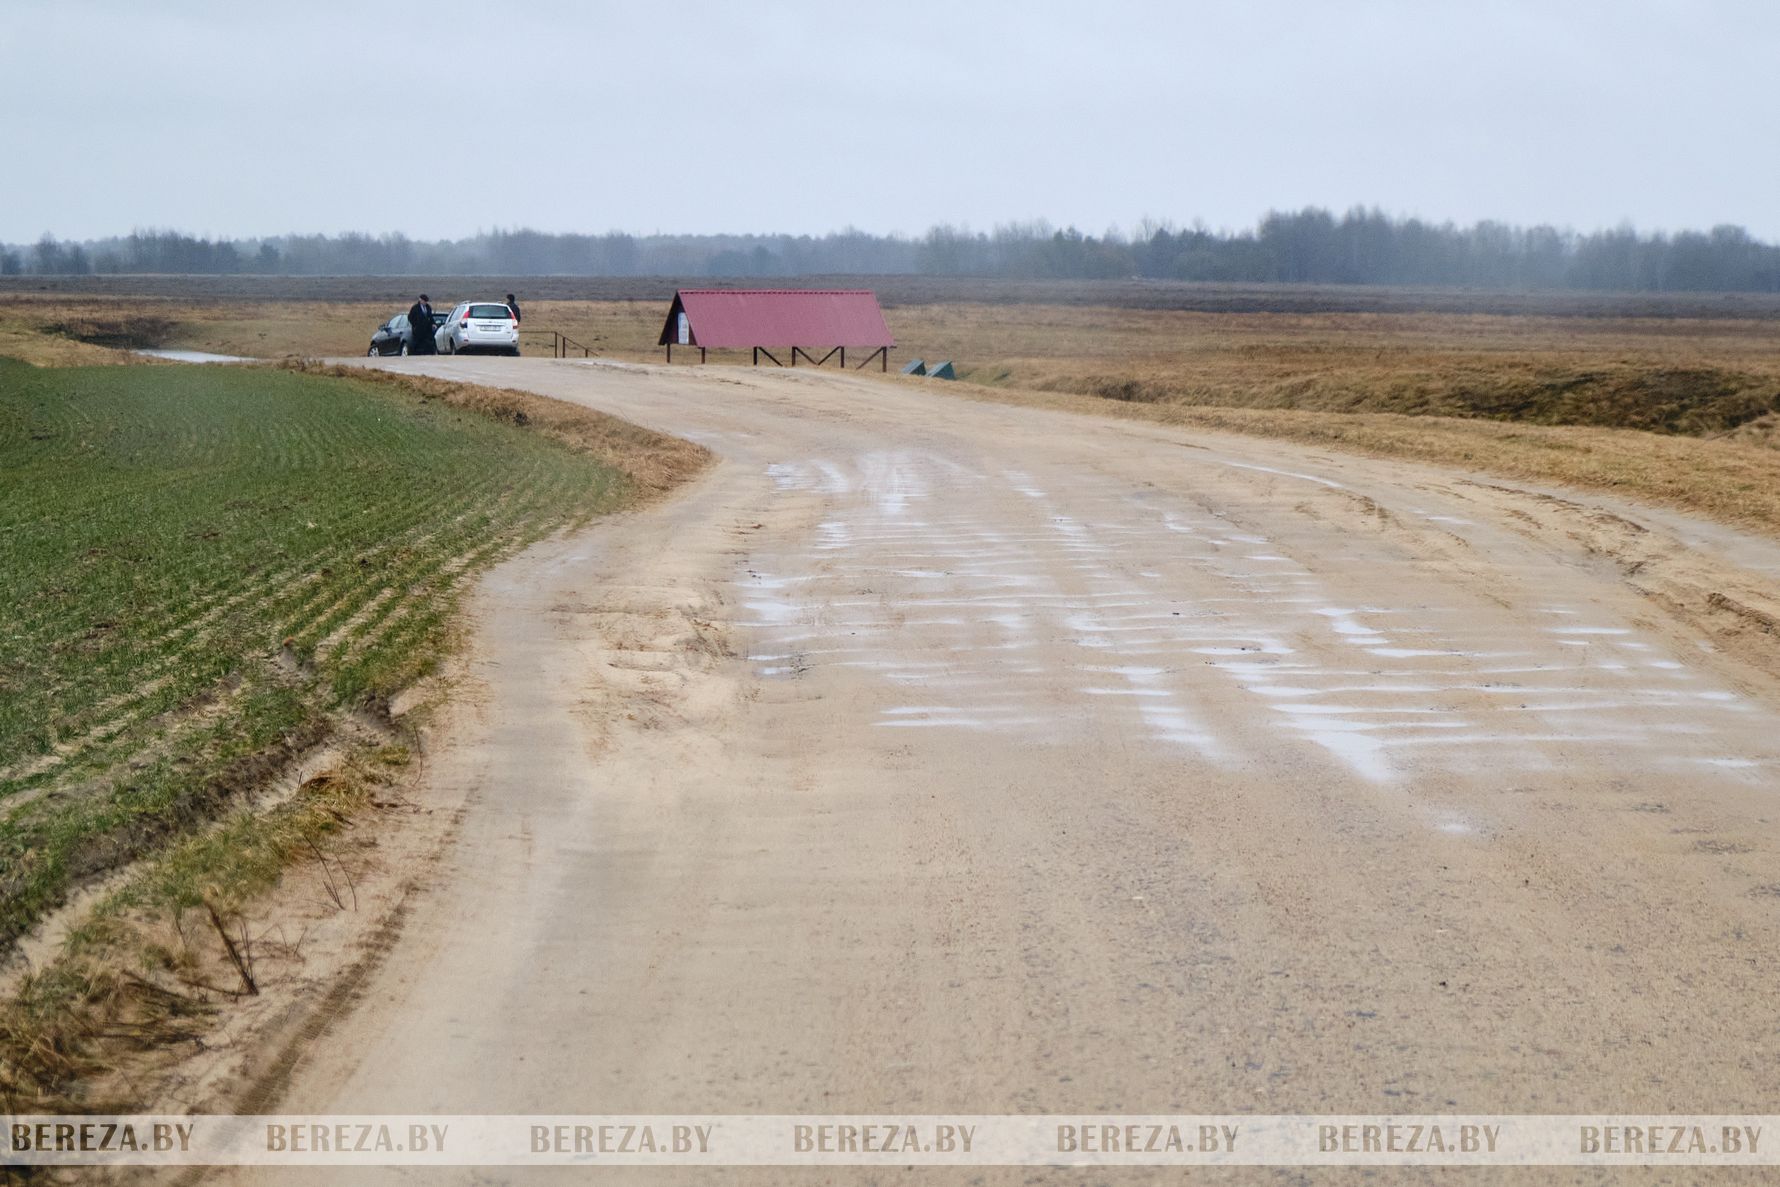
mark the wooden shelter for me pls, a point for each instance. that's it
(801, 321)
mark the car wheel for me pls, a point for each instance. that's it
(404, 350)
(373, 352)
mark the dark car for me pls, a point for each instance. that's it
(395, 336)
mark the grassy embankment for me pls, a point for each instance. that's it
(213, 570)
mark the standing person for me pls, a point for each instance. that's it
(420, 327)
(513, 304)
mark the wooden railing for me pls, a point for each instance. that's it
(561, 345)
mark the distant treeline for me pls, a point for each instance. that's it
(1311, 246)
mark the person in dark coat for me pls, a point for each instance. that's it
(513, 304)
(421, 327)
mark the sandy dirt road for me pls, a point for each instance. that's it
(931, 755)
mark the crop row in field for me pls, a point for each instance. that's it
(204, 565)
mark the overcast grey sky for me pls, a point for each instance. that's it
(245, 119)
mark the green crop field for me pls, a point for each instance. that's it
(201, 567)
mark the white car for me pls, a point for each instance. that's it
(479, 325)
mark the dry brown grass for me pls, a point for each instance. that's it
(1730, 481)
(1698, 375)
(142, 972)
(1764, 430)
(42, 350)
(45, 329)
(305, 329)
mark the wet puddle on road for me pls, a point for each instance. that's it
(1155, 618)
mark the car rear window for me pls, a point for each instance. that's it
(500, 311)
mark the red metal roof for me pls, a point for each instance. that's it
(740, 318)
